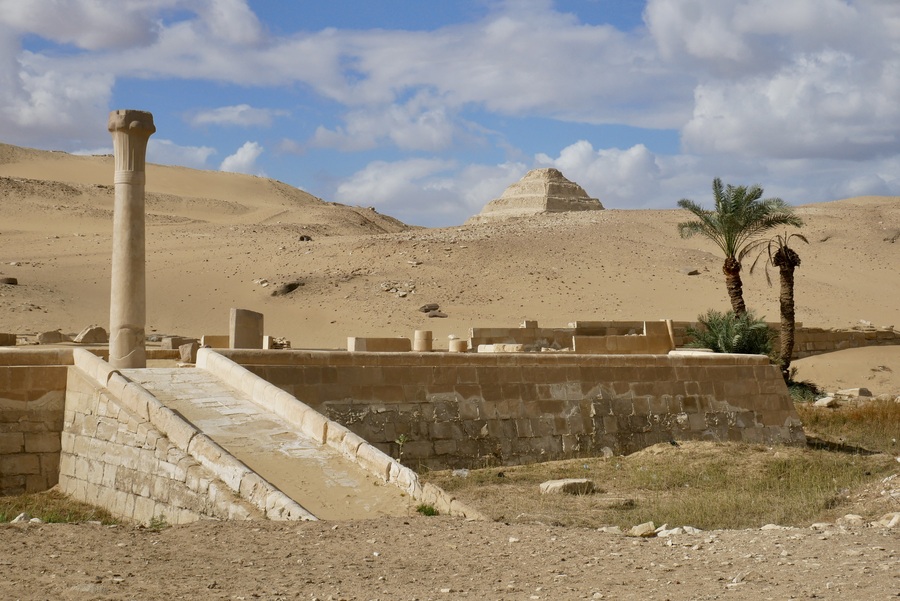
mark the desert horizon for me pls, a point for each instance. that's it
(221, 240)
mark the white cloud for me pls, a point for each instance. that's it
(619, 178)
(427, 191)
(87, 24)
(242, 115)
(420, 124)
(825, 105)
(166, 152)
(244, 160)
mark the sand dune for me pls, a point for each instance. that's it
(212, 237)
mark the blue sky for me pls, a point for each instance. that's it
(428, 110)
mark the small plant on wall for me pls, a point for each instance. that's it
(401, 440)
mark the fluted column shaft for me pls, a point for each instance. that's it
(128, 299)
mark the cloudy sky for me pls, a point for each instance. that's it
(428, 110)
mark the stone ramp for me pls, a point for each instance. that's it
(316, 476)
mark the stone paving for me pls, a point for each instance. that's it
(315, 476)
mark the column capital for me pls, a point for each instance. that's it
(131, 121)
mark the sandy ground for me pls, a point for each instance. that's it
(441, 558)
(216, 241)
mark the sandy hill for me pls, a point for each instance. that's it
(214, 237)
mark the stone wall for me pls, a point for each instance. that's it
(468, 410)
(32, 397)
(807, 341)
(124, 451)
(817, 341)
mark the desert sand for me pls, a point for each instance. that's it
(216, 241)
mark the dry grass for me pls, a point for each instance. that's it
(872, 425)
(51, 507)
(706, 485)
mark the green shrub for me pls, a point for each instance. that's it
(426, 509)
(730, 333)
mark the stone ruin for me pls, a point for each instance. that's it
(540, 191)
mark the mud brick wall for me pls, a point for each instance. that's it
(32, 397)
(469, 410)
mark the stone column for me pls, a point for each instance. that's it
(128, 300)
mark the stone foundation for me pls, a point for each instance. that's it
(469, 410)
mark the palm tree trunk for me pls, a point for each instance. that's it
(786, 300)
(732, 270)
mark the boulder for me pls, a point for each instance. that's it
(645, 530)
(827, 401)
(188, 351)
(92, 335)
(172, 343)
(53, 337)
(568, 486)
(854, 392)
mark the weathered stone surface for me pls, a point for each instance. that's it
(645, 530)
(569, 486)
(175, 342)
(245, 329)
(540, 191)
(854, 392)
(827, 401)
(188, 351)
(130, 132)
(7, 339)
(53, 337)
(92, 335)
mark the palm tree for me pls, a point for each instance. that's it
(739, 218)
(786, 259)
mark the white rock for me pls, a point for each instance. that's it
(826, 401)
(645, 530)
(854, 392)
(571, 486)
(21, 518)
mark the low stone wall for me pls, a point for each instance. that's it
(807, 341)
(124, 451)
(469, 410)
(32, 398)
(817, 341)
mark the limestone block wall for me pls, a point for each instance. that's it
(807, 341)
(467, 410)
(32, 397)
(125, 451)
(816, 341)
(328, 432)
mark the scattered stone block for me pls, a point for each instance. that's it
(422, 341)
(501, 348)
(645, 530)
(854, 392)
(245, 329)
(429, 307)
(7, 339)
(435, 314)
(188, 351)
(827, 401)
(568, 486)
(689, 271)
(214, 341)
(53, 337)
(9, 281)
(459, 346)
(378, 345)
(92, 335)
(175, 342)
